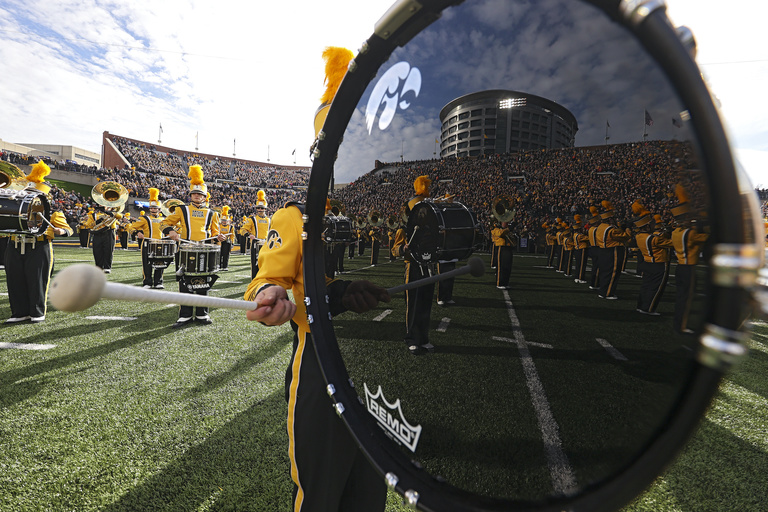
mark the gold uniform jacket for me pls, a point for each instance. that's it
(193, 223)
(96, 217)
(257, 226)
(654, 248)
(150, 226)
(609, 236)
(498, 235)
(59, 221)
(687, 243)
(229, 232)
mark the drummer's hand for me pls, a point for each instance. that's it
(362, 296)
(221, 237)
(252, 237)
(274, 307)
(174, 235)
(140, 235)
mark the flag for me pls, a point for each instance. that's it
(648, 119)
(677, 122)
(293, 152)
(608, 125)
(437, 141)
(161, 127)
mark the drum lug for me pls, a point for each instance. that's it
(391, 480)
(330, 389)
(310, 319)
(735, 265)
(635, 11)
(339, 407)
(411, 498)
(722, 348)
(685, 35)
(307, 301)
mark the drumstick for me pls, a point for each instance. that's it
(474, 266)
(80, 286)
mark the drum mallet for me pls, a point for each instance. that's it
(474, 266)
(80, 286)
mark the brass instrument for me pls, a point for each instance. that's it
(11, 177)
(169, 205)
(502, 209)
(392, 223)
(337, 209)
(375, 219)
(112, 196)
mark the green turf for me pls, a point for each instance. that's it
(132, 415)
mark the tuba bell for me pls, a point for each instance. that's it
(502, 209)
(392, 223)
(169, 205)
(374, 219)
(337, 209)
(11, 177)
(111, 195)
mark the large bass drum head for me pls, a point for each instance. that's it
(539, 394)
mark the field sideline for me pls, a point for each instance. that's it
(124, 413)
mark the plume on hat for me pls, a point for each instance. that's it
(196, 175)
(154, 194)
(638, 208)
(225, 211)
(39, 171)
(681, 194)
(594, 211)
(421, 185)
(336, 62)
(607, 205)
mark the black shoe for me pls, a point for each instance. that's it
(415, 350)
(182, 322)
(204, 321)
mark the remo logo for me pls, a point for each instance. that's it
(398, 80)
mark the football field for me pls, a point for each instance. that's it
(111, 409)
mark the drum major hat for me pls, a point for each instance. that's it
(225, 212)
(595, 218)
(37, 176)
(196, 183)
(154, 198)
(683, 208)
(608, 210)
(261, 199)
(642, 216)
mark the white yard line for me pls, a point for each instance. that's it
(561, 473)
(383, 315)
(26, 346)
(122, 318)
(612, 351)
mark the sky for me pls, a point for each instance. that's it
(245, 78)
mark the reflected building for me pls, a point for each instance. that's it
(502, 121)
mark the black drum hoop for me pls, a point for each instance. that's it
(724, 304)
(443, 232)
(13, 221)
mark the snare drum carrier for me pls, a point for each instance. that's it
(440, 232)
(22, 213)
(198, 260)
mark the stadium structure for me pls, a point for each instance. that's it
(503, 121)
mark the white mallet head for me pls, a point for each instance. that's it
(77, 287)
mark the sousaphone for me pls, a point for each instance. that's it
(111, 195)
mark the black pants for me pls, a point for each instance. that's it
(581, 264)
(375, 246)
(503, 264)
(685, 288)
(85, 235)
(226, 249)
(445, 287)
(418, 305)
(123, 239)
(151, 276)
(27, 277)
(255, 247)
(104, 248)
(609, 260)
(652, 288)
(550, 255)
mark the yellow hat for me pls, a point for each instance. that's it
(196, 183)
(261, 199)
(154, 198)
(37, 176)
(607, 210)
(683, 207)
(142, 212)
(421, 185)
(337, 61)
(225, 211)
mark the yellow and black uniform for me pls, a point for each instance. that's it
(502, 244)
(568, 246)
(29, 261)
(257, 226)
(228, 230)
(376, 235)
(610, 242)
(152, 270)
(654, 266)
(102, 225)
(594, 248)
(83, 231)
(122, 231)
(687, 242)
(580, 248)
(328, 469)
(551, 241)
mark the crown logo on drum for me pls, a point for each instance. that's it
(395, 426)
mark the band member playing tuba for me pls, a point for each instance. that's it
(111, 196)
(502, 240)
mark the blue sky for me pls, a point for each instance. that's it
(233, 77)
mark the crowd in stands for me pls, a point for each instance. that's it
(541, 184)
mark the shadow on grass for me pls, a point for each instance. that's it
(243, 466)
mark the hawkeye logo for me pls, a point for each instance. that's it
(396, 427)
(391, 87)
(273, 239)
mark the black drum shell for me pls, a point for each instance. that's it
(17, 209)
(441, 232)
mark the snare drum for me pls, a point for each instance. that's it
(199, 258)
(337, 229)
(441, 232)
(21, 211)
(160, 249)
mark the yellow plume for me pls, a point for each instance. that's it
(607, 205)
(39, 171)
(637, 208)
(336, 62)
(421, 185)
(682, 196)
(260, 195)
(577, 218)
(225, 210)
(593, 210)
(196, 175)
(154, 193)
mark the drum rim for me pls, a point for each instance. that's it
(661, 43)
(434, 206)
(25, 197)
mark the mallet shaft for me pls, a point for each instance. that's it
(117, 291)
(428, 280)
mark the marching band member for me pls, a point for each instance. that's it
(102, 223)
(580, 248)
(610, 240)
(687, 242)
(29, 260)
(551, 241)
(122, 230)
(228, 230)
(256, 228)
(418, 302)
(150, 227)
(655, 264)
(195, 223)
(502, 239)
(594, 248)
(82, 228)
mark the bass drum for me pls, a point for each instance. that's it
(441, 232)
(541, 395)
(337, 229)
(23, 211)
